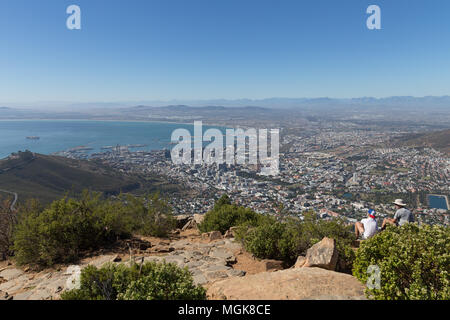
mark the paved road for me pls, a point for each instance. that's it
(16, 197)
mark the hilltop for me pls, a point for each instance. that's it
(50, 177)
(219, 264)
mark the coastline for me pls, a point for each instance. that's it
(129, 121)
(101, 139)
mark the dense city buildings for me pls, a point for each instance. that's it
(339, 171)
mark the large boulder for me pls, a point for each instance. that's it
(191, 224)
(212, 236)
(272, 265)
(290, 284)
(301, 260)
(230, 233)
(198, 218)
(182, 220)
(10, 274)
(322, 255)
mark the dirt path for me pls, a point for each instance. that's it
(16, 197)
(208, 261)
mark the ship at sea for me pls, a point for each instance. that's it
(33, 138)
(61, 135)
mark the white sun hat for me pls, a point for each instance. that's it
(400, 203)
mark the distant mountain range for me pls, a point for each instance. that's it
(399, 101)
(434, 111)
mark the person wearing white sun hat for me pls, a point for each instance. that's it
(402, 215)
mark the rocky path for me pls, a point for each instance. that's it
(208, 262)
(220, 265)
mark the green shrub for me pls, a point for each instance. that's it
(223, 200)
(149, 216)
(61, 232)
(314, 229)
(151, 281)
(100, 284)
(414, 262)
(271, 240)
(225, 215)
(8, 221)
(286, 240)
(58, 233)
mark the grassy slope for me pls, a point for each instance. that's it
(438, 140)
(50, 177)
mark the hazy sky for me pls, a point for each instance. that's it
(204, 49)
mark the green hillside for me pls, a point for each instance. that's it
(50, 177)
(439, 140)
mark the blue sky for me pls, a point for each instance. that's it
(205, 49)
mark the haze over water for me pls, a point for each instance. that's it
(60, 135)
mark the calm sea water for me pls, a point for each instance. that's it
(60, 135)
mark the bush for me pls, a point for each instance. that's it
(68, 226)
(314, 229)
(286, 240)
(61, 232)
(271, 240)
(414, 262)
(8, 221)
(149, 216)
(225, 215)
(152, 281)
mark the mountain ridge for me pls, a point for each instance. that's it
(273, 102)
(438, 140)
(48, 178)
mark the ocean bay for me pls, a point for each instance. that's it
(59, 135)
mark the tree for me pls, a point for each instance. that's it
(8, 220)
(413, 262)
(150, 281)
(224, 200)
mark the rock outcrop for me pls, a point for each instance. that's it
(230, 233)
(301, 260)
(214, 261)
(182, 220)
(208, 262)
(198, 218)
(290, 284)
(272, 265)
(323, 255)
(191, 224)
(212, 236)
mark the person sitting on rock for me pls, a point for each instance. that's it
(402, 215)
(367, 228)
